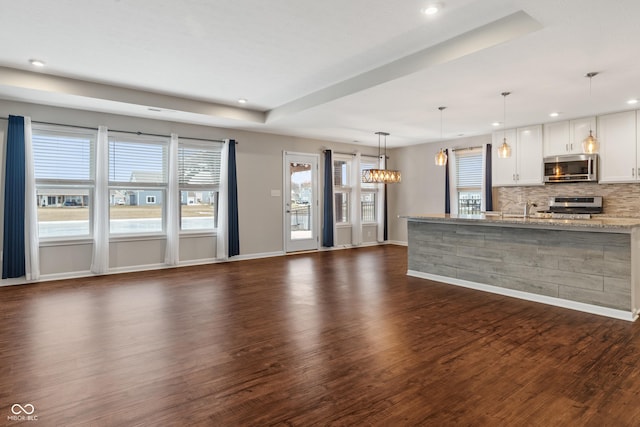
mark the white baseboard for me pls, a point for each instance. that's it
(558, 302)
(397, 242)
(256, 256)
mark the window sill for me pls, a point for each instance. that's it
(68, 241)
(198, 233)
(136, 237)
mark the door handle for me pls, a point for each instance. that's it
(288, 211)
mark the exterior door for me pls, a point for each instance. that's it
(301, 222)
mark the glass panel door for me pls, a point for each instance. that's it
(301, 202)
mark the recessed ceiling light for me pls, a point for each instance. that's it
(632, 101)
(242, 101)
(36, 62)
(431, 9)
(496, 124)
(554, 114)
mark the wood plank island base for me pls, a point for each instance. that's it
(588, 265)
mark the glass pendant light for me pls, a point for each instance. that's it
(504, 151)
(381, 176)
(441, 157)
(590, 143)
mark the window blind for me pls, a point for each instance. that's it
(340, 176)
(198, 165)
(469, 169)
(137, 161)
(61, 156)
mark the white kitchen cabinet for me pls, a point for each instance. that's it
(618, 147)
(580, 131)
(503, 171)
(565, 137)
(524, 167)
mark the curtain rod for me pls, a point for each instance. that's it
(466, 148)
(121, 131)
(351, 154)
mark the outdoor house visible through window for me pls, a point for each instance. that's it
(469, 180)
(63, 166)
(137, 183)
(199, 181)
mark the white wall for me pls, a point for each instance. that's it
(259, 164)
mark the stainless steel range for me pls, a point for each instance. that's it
(570, 207)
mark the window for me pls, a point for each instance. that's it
(469, 181)
(368, 193)
(63, 165)
(199, 180)
(137, 183)
(341, 189)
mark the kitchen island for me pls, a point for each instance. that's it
(590, 265)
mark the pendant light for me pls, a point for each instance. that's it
(381, 176)
(441, 157)
(590, 143)
(504, 151)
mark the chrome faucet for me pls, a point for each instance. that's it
(527, 205)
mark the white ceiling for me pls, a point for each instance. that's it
(335, 70)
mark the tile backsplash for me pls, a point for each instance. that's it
(617, 199)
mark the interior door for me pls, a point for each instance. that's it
(301, 201)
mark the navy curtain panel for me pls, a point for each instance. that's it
(488, 193)
(234, 231)
(13, 262)
(327, 206)
(447, 196)
(386, 225)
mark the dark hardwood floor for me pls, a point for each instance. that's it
(329, 338)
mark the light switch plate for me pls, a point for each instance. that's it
(275, 193)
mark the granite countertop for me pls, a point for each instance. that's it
(600, 223)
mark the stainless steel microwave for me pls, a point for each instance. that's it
(571, 168)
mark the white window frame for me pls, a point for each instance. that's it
(80, 185)
(343, 189)
(465, 188)
(369, 188)
(115, 184)
(206, 187)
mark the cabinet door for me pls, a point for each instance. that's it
(503, 171)
(579, 132)
(529, 158)
(617, 137)
(556, 138)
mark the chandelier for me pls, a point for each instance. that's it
(381, 176)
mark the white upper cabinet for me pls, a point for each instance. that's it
(580, 131)
(503, 171)
(529, 168)
(618, 147)
(556, 138)
(565, 137)
(524, 167)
